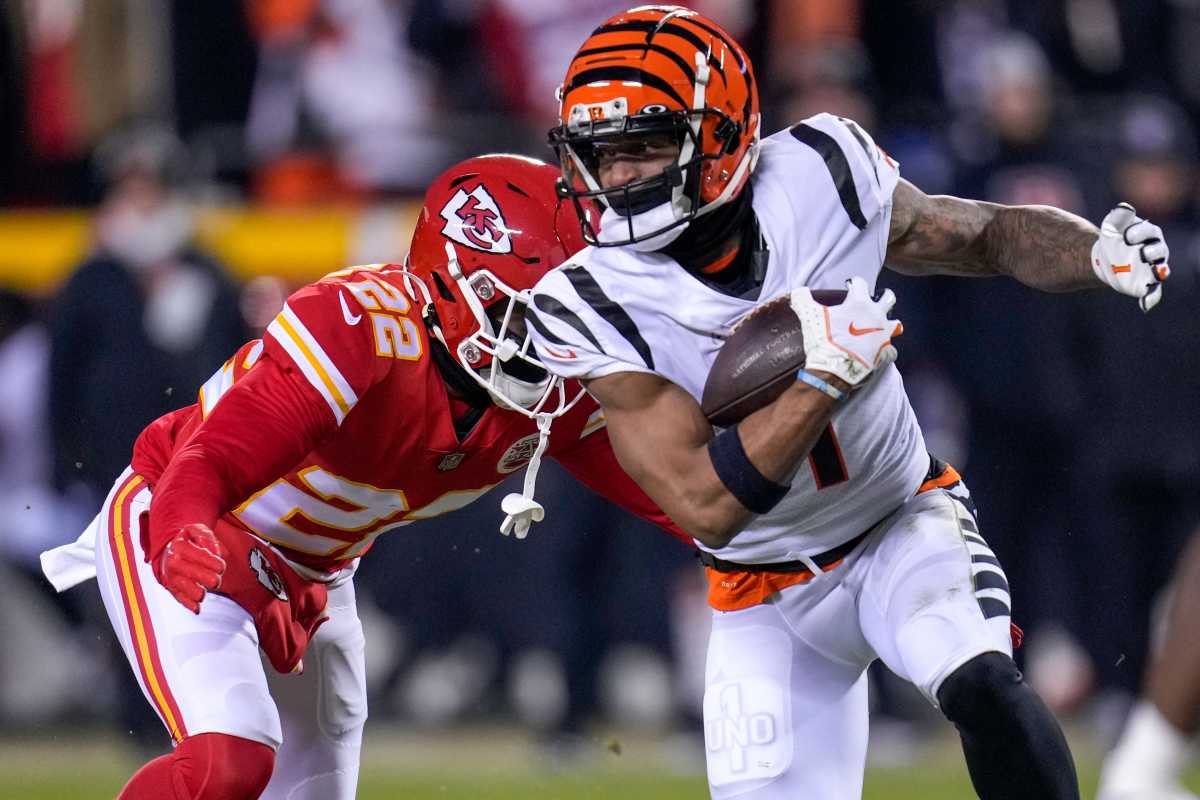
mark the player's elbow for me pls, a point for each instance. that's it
(714, 537)
(712, 522)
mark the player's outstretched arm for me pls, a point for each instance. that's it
(1043, 247)
(662, 439)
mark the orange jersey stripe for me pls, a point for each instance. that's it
(140, 627)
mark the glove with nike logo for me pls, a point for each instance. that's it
(1130, 255)
(852, 339)
(190, 565)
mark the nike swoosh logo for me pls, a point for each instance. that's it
(862, 331)
(351, 319)
(567, 356)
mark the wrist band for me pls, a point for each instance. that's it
(752, 489)
(812, 380)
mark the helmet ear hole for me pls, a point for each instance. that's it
(443, 289)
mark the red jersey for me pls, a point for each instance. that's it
(337, 427)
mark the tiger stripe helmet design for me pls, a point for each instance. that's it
(657, 71)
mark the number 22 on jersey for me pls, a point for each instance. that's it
(395, 334)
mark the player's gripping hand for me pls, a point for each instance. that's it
(190, 565)
(849, 340)
(1130, 255)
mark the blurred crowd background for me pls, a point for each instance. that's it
(170, 170)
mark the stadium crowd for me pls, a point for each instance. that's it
(142, 110)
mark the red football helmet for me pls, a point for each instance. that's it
(490, 227)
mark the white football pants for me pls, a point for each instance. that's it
(204, 673)
(785, 708)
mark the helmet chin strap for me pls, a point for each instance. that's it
(679, 201)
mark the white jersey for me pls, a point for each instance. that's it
(822, 193)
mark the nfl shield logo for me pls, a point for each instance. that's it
(474, 219)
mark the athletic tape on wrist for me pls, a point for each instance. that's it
(823, 386)
(743, 480)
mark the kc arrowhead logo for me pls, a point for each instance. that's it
(475, 220)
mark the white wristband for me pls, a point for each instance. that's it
(812, 380)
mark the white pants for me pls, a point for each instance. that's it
(204, 673)
(785, 708)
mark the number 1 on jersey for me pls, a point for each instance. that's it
(826, 461)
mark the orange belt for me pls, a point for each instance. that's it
(733, 586)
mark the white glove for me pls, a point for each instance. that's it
(1130, 255)
(520, 513)
(849, 340)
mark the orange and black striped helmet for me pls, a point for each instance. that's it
(655, 71)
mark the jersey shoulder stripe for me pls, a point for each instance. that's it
(553, 308)
(612, 313)
(839, 168)
(230, 372)
(861, 138)
(316, 366)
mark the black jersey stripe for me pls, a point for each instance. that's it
(987, 579)
(982, 559)
(839, 168)
(862, 141)
(591, 293)
(560, 312)
(625, 74)
(968, 505)
(968, 524)
(991, 607)
(532, 318)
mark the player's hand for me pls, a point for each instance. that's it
(849, 340)
(1130, 255)
(190, 565)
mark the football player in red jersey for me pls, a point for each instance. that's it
(379, 396)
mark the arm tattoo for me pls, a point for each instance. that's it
(1040, 246)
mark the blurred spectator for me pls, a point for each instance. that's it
(341, 105)
(87, 65)
(1007, 348)
(1138, 495)
(33, 517)
(141, 323)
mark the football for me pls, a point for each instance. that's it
(759, 360)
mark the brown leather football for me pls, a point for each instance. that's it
(759, 360)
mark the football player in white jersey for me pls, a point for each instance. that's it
(831, 537)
